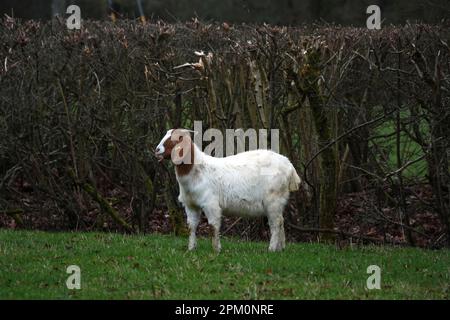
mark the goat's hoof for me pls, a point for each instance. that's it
(275, 249)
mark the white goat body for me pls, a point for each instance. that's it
(249, 184)
(244, 184)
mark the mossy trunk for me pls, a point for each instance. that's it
(327, 207)
(308, 84)
(15, 214)
(103, 203)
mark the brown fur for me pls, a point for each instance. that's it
(184, 167)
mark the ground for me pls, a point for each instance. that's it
(115, 266)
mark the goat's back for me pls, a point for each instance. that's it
(245, 182)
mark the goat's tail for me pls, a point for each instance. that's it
(294, 180)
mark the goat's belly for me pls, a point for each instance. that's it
(244, 209)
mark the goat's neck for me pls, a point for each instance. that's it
(189, 161)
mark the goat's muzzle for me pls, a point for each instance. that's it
(159, 156)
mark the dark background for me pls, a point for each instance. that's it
(282, 12)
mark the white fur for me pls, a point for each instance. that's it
(160, 148)
(249, 184)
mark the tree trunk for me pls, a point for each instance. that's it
(58, 8)
(327, 207)
(307, 82)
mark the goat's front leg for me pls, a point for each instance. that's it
(216, 240)
(282, 234)
(214, 215)
(193, 219)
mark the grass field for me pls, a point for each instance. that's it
(113, 266)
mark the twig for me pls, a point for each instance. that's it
(232, 225)
(407, 164)
(341, 233)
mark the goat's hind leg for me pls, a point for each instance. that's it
(276, 224)
(193, 219)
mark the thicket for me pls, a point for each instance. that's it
(359, 111)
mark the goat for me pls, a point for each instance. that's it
(248, 184)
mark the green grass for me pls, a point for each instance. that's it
(113, 266)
